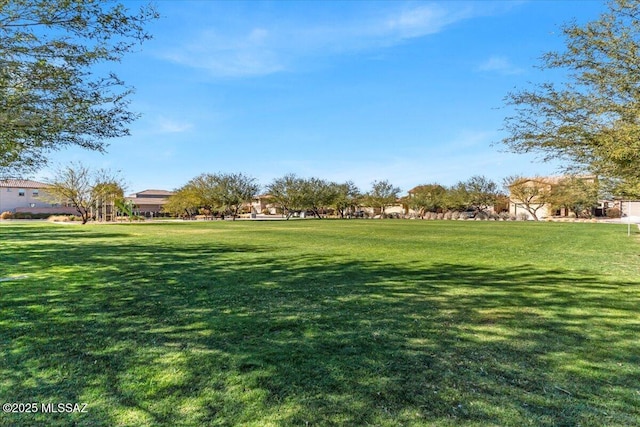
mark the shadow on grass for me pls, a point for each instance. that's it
(218, 335)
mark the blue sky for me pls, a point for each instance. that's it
(411, 92)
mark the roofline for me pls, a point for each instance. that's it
(22, 183)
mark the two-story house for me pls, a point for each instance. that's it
(22, 195)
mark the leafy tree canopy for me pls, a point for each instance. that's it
(577, 194)
(481, 192)
(289, 193)
(383, 194)
(233, 190)
(184, 202)
(592, 119)
(296, 194)
(427, 198)
(50, 96)
(347, 197)
(226, 192)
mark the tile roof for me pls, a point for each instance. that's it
(154, 193)
(146, 200)
(557, 179)
(22, 183)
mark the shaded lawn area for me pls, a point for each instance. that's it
(321, 323)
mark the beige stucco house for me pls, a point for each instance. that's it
(149, 203)
(22, 195)
(518, 208)
(262, 204)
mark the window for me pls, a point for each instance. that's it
(35, 193)
(21, 192)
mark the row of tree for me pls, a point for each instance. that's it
(95, 193)
(228, 194)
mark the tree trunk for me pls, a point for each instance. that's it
(532, 212)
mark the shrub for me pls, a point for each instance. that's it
(439, 216)
(505, 216)
(60, 218)
(455, 215)
(482, 216)
(613, 213)
(522, 217)
(585, 214)
(6, 215)
(448, 215)
(29, 215)
(572, 215)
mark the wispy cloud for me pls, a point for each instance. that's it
(167, 125)
(265, 49)
(246, 54)
(501, 65)
(422, 20)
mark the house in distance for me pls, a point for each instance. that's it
(149, 203)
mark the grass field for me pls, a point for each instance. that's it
(320, 323)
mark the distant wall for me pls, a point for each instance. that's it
(53, 211)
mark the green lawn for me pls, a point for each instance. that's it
(322, 323)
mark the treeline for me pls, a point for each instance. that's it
(100, 193)
(230, 193)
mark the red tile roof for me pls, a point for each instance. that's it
(22, 183)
